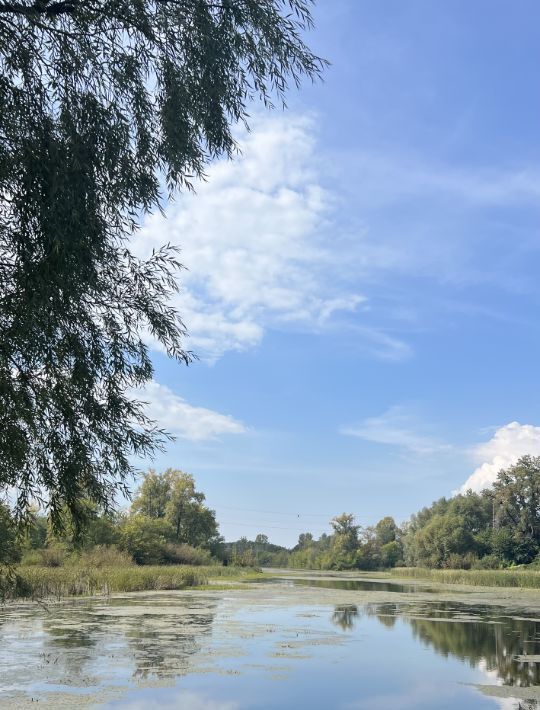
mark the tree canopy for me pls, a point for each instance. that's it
(107, 107)
(172, 496)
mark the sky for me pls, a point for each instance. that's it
(362, 281)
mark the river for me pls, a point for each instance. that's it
(289, 641)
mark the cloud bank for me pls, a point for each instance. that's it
(262, 248)
(507, 445)
(174, 414)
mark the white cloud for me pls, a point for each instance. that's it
(260, 246)
(174, 414)
(396, 427)
(507, 445)
(268, 246)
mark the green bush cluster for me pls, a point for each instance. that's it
(168, 524)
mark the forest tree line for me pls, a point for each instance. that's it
(496, 528)
(169, 523)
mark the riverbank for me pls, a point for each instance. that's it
(40, 582)
(34, 582)
(520, 578)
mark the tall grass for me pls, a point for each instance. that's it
(521, 578)
(37, 582)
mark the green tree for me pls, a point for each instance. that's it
(386, 530)
(35, 536)
(9, 547)
(146, 539)
(443, 536)
(391, 554)
(182, 503)
(152, 497)
(474, 510)
(190, 519)
(517, 505)
(304, 540)
(102, 105)
(345, 532)
(172, 496)
(342, 554)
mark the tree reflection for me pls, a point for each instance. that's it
(163, 647)
(494, 645)
(70, 645)
(157, 642)
(345, 616)
(475, 636)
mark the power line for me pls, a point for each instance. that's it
(327, 516)
(261, 526)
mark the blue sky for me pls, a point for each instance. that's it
(363, 283)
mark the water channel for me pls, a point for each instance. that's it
(285, 642)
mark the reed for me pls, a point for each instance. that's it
(39, 582)
(523, 578)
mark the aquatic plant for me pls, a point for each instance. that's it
(521, 577)
(36, 582)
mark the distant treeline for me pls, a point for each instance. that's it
(496, 528)
(169, 523)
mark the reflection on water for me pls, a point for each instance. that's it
(494, 645)
(498, 644)
(363, 585)
(223, 653)
(345, 616)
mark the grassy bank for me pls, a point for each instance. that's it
(32, 582)
(523, 578)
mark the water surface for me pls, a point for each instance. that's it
(271, 646)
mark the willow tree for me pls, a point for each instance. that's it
(106, 108)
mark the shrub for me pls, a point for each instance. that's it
(183, 554)
(146, 539)
(101, 556)
(457, 561)
(53, 556)
(32, 558)
(488, 562)
(243, 559)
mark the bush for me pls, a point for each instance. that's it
(54, 556)
(457, 561)
(183, 554)
(488, 562)
(146, 539)
(101, 556)
(31, 558)
(244, 559)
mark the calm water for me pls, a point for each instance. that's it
(273, 646)
(361, 585)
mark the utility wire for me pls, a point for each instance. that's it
(261, 526)
(327, 516)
